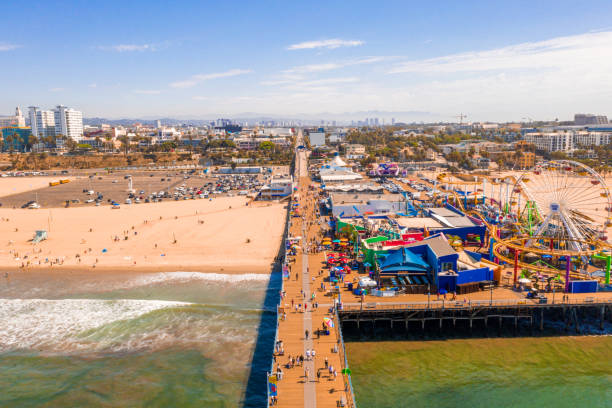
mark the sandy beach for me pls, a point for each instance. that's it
(222, 235)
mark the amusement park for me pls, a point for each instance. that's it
(527, 235)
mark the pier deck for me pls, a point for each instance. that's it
(295, 389)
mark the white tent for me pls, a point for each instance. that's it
(338, 162)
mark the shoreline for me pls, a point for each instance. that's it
(136, 269)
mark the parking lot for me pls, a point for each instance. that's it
(102, 188)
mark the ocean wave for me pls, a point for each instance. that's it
(149, 279)
(44, 323)
(206, 276)
(86, 326)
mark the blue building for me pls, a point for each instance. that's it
(423, 260)
(15, 138)
(432, 262)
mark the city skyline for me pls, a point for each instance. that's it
(498, 63)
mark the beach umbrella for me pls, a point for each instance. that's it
(524, 280)
(367, 264)
(336, 241)
(328, 322)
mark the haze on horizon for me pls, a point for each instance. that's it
(499, 62)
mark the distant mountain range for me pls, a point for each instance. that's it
(314, 119)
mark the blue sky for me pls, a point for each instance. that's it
(193, 59)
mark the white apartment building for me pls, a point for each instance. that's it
(567, 141)
(588, 139)
(42, 122)
(68, 122)
(551, 142)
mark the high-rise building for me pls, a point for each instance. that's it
(158, 124)
(16, 120)
(42, 122)
(68, 122)
(581, 119)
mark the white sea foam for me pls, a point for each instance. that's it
(163, 277)
(54, 324)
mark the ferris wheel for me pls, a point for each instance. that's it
(563, 200)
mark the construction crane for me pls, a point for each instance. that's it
(461, 116)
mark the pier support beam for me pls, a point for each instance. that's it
(516, 256)
(568, 266)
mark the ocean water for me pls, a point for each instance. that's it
(180, 339)
(500, 372)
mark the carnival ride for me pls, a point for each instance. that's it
(563, 200)
(387, 169)
(563, 210)
(551, 219)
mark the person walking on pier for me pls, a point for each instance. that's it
(306, 334)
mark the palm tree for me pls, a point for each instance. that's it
(98, 143)
(10, 140)
(32, 140)
(125, 144)
(190, 137)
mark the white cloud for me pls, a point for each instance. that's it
(93, 85)
(129, 47)
(56, 89)
(147, 91)
(196, 79)
(8, 47)
(555, 53)
(329, 44)
(302, 69)
(544, 79)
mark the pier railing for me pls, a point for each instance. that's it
(284, 264)
(349, 388)
(455, 304)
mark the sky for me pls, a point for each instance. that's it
(490, 60)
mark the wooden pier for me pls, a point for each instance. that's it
(437, 317)
(311, 384)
